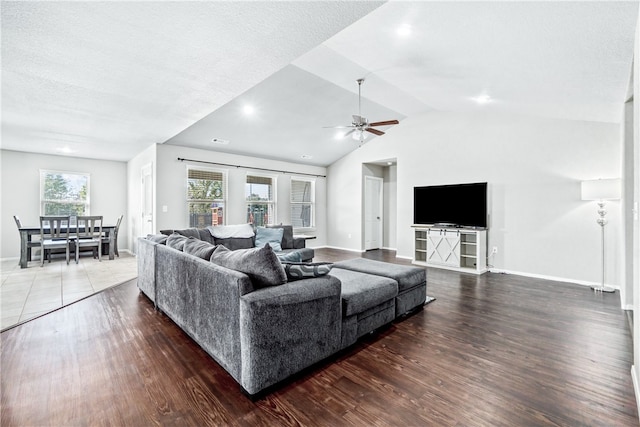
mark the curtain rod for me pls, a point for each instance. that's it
(251, 167)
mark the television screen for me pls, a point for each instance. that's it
(460, 205)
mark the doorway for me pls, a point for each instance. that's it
(372, 212)
(147, 200)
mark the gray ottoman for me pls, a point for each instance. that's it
(368, 302)
(412, 281)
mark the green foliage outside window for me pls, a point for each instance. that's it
(65, 194)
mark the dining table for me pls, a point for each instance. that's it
(27, 232)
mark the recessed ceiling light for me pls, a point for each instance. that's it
(306, 156)
(65, 150)
(220, 141)
(248, 109)
(404, 30)
(389, 163)
(482, 99)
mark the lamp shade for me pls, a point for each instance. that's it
(601, 189)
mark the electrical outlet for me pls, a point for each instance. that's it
(494, 250)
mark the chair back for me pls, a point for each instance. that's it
(18, 222)
(54, 227)
(89, 227)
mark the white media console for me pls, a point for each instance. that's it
(459, 249)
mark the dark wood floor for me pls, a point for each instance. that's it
(494, 350)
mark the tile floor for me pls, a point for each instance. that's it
(30, 292)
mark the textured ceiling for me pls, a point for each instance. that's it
(108, 79)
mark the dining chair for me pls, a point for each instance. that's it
(30, 243)
(89, 234)
(54, 234)
(106, 239)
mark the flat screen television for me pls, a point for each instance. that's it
(459, 205)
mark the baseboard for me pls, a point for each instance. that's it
(340, 249)
(389, 249)
(553, 278)
(404, 257)
(634, 379)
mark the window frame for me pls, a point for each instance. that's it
(223, 200)
(272, 204)
(43, 201)
(312, 203)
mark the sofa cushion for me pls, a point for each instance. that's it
(293, 256)
(304, 270)
(157, 238)
(198, 248)
(272, 236)
(260, 264)
(287, 235)
(406, 276)
(176, 241)
(361, 291)
(235, 243)
(198, 233)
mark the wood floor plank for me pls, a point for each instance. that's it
(492, 350)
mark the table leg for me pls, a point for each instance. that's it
(24, 238)
(111, 249)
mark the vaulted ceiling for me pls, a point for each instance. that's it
(108, 79)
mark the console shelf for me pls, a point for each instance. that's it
(458, 249)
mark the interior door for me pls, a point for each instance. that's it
(147, 200)
(372, 212)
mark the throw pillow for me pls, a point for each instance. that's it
(176, 241)
(290, 257)
(272, 236)
(229, 231)
(287, 236)
(302, 270)
(197, 247)
(157, 238)
(260, 264)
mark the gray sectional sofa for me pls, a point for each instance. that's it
(262, 334)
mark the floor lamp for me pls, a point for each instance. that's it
(601, 190)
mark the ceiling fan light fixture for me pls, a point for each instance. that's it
(359, 135)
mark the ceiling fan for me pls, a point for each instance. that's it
(360, 125)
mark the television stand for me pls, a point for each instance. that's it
(458, 249)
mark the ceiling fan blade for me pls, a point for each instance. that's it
(349, 133)
(385, 123)
(374, 131)
(337, 127)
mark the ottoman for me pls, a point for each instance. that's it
(368, 302)
(412, 281)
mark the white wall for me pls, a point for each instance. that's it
(170, 184)
(533, 166)
(636, 223)
(21, 192)
(390, 206)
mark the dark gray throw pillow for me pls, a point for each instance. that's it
(176, 241)
(260, 264)
(157, 238)
(305, 270)
(198, 248)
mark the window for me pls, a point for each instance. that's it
(206, 194)
(261, 206)
(64, 193)
(302, 203)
